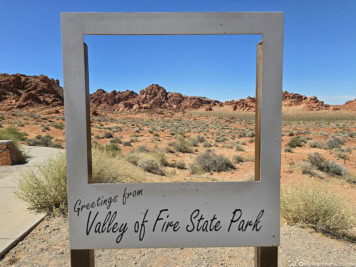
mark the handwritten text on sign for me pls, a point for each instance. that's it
(125, 219)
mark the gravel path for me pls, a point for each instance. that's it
(48, 245)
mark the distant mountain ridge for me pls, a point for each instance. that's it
(18, 91)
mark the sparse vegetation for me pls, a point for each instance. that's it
(312, 205)
(296, 141)
(45, 141)
(208, 161)
(12, 133)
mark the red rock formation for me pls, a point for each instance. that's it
(21, 91)
(152, 97)
(288, 100)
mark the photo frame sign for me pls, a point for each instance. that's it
(157, 215)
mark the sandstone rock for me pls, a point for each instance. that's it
(9, 154)
(19, 91)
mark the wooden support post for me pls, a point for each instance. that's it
(85, 257)
(264, 256)
(82, 258)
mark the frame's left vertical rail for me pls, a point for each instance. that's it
(85, 258)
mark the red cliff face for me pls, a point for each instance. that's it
(21, 91)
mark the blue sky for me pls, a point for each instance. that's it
(319, 48)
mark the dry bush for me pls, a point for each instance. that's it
(45, 187)
(312, 205)
(12, 133)
(208, 161)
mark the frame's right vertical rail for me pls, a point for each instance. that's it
(264, 256)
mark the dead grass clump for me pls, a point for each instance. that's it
(312, 205)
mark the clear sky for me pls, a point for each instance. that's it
(319, 48)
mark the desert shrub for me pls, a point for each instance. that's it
(315, 144)
(45, 141)
(296, 141)
(251, 134)
(195, 169)
(142, 149)
(207, 144)
(115, 140)
(239, 148)
(322, 164)
(288, 149)
(308, 169)
(127, 143)
(193, 142)
(312, 205)
(180, 164)
(200, 139)
(45, 187)
(348, 149)
(132, 158)
(169, 149)
(237, 159)
(12, 133)
(334, 142)
(341, 155)
(59, 126)
(210, 162)
(108, 135)
(149, 165)
(181, 145)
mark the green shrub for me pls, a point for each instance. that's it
(312, 205)
(296, 141)
(210, 162)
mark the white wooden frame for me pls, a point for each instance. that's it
(220, 198)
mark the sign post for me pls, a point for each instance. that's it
(221, 214)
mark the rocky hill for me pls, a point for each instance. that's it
(289, 101)
(152, 97)
(19, 91)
